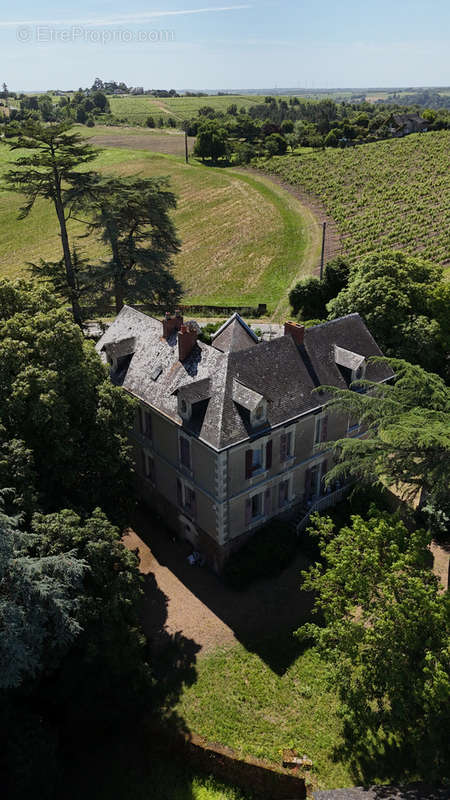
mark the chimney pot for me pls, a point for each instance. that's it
(296, 331)
(186, 341)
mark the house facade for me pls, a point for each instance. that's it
(231, 434)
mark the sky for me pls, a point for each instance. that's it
(198, 44)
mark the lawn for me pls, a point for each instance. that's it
(239, 701)
(244, 240)
(392, 194)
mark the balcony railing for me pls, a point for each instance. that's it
(321, 504)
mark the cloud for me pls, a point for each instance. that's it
(117, 19)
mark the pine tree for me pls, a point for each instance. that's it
(50, 170)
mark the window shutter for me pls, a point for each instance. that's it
(193, 504)
(248, 464)
(248, 511)
(283, 447)
(269, 454)
(179, 493)
(267, 502)
(324, 429)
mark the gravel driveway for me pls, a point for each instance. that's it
(194, 602)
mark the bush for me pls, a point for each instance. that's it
(265, 555)
(310, 296)
(150, 122)
(207, 331)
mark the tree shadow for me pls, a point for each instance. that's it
(126, 760)
(263, 617)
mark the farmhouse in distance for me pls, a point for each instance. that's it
(231, 434)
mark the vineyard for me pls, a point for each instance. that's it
(392, 194)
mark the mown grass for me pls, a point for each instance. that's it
(138, 107)
(239, 701)
(244, 240)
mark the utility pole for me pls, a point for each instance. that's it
(186, 151)
(324, 227)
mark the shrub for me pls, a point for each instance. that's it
(150, 122)
(265, 555)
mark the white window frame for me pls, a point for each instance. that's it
(318, 429)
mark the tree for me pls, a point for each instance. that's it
(50, 170)
(150, 122)
(132, 217)
(393, 293)
(212, 141)
(407, 443)
(63, 425)
(85, 278)
(386, 635)
(276, 144)
(309, 296)
(38, 605)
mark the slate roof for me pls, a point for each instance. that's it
(234, 335)
(280, 371)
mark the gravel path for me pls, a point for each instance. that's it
(193, 601)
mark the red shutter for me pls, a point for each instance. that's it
(248, 464)
(179, 493)
(324, 430)
(283, 447)
(267, 502)
(248, 511)
(269, 454)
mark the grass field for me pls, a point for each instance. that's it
(392, 194)
(244, 240)
(239, 701)
(138, 107)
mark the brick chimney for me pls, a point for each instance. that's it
(187, 337)
(171, 324)
(296, 331)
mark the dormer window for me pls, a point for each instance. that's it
(352, 366)
(184, 408)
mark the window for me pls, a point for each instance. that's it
(258, 459)
(286, 446)
(283, 493)
(353, 425)
(148, 466)
(257, 455)
(186, 498)
(256, 505)
(321, 430)
(185, 452)
(146, 423)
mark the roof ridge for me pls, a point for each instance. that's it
(235, 316)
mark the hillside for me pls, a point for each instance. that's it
(390, 194)
(244, 239)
